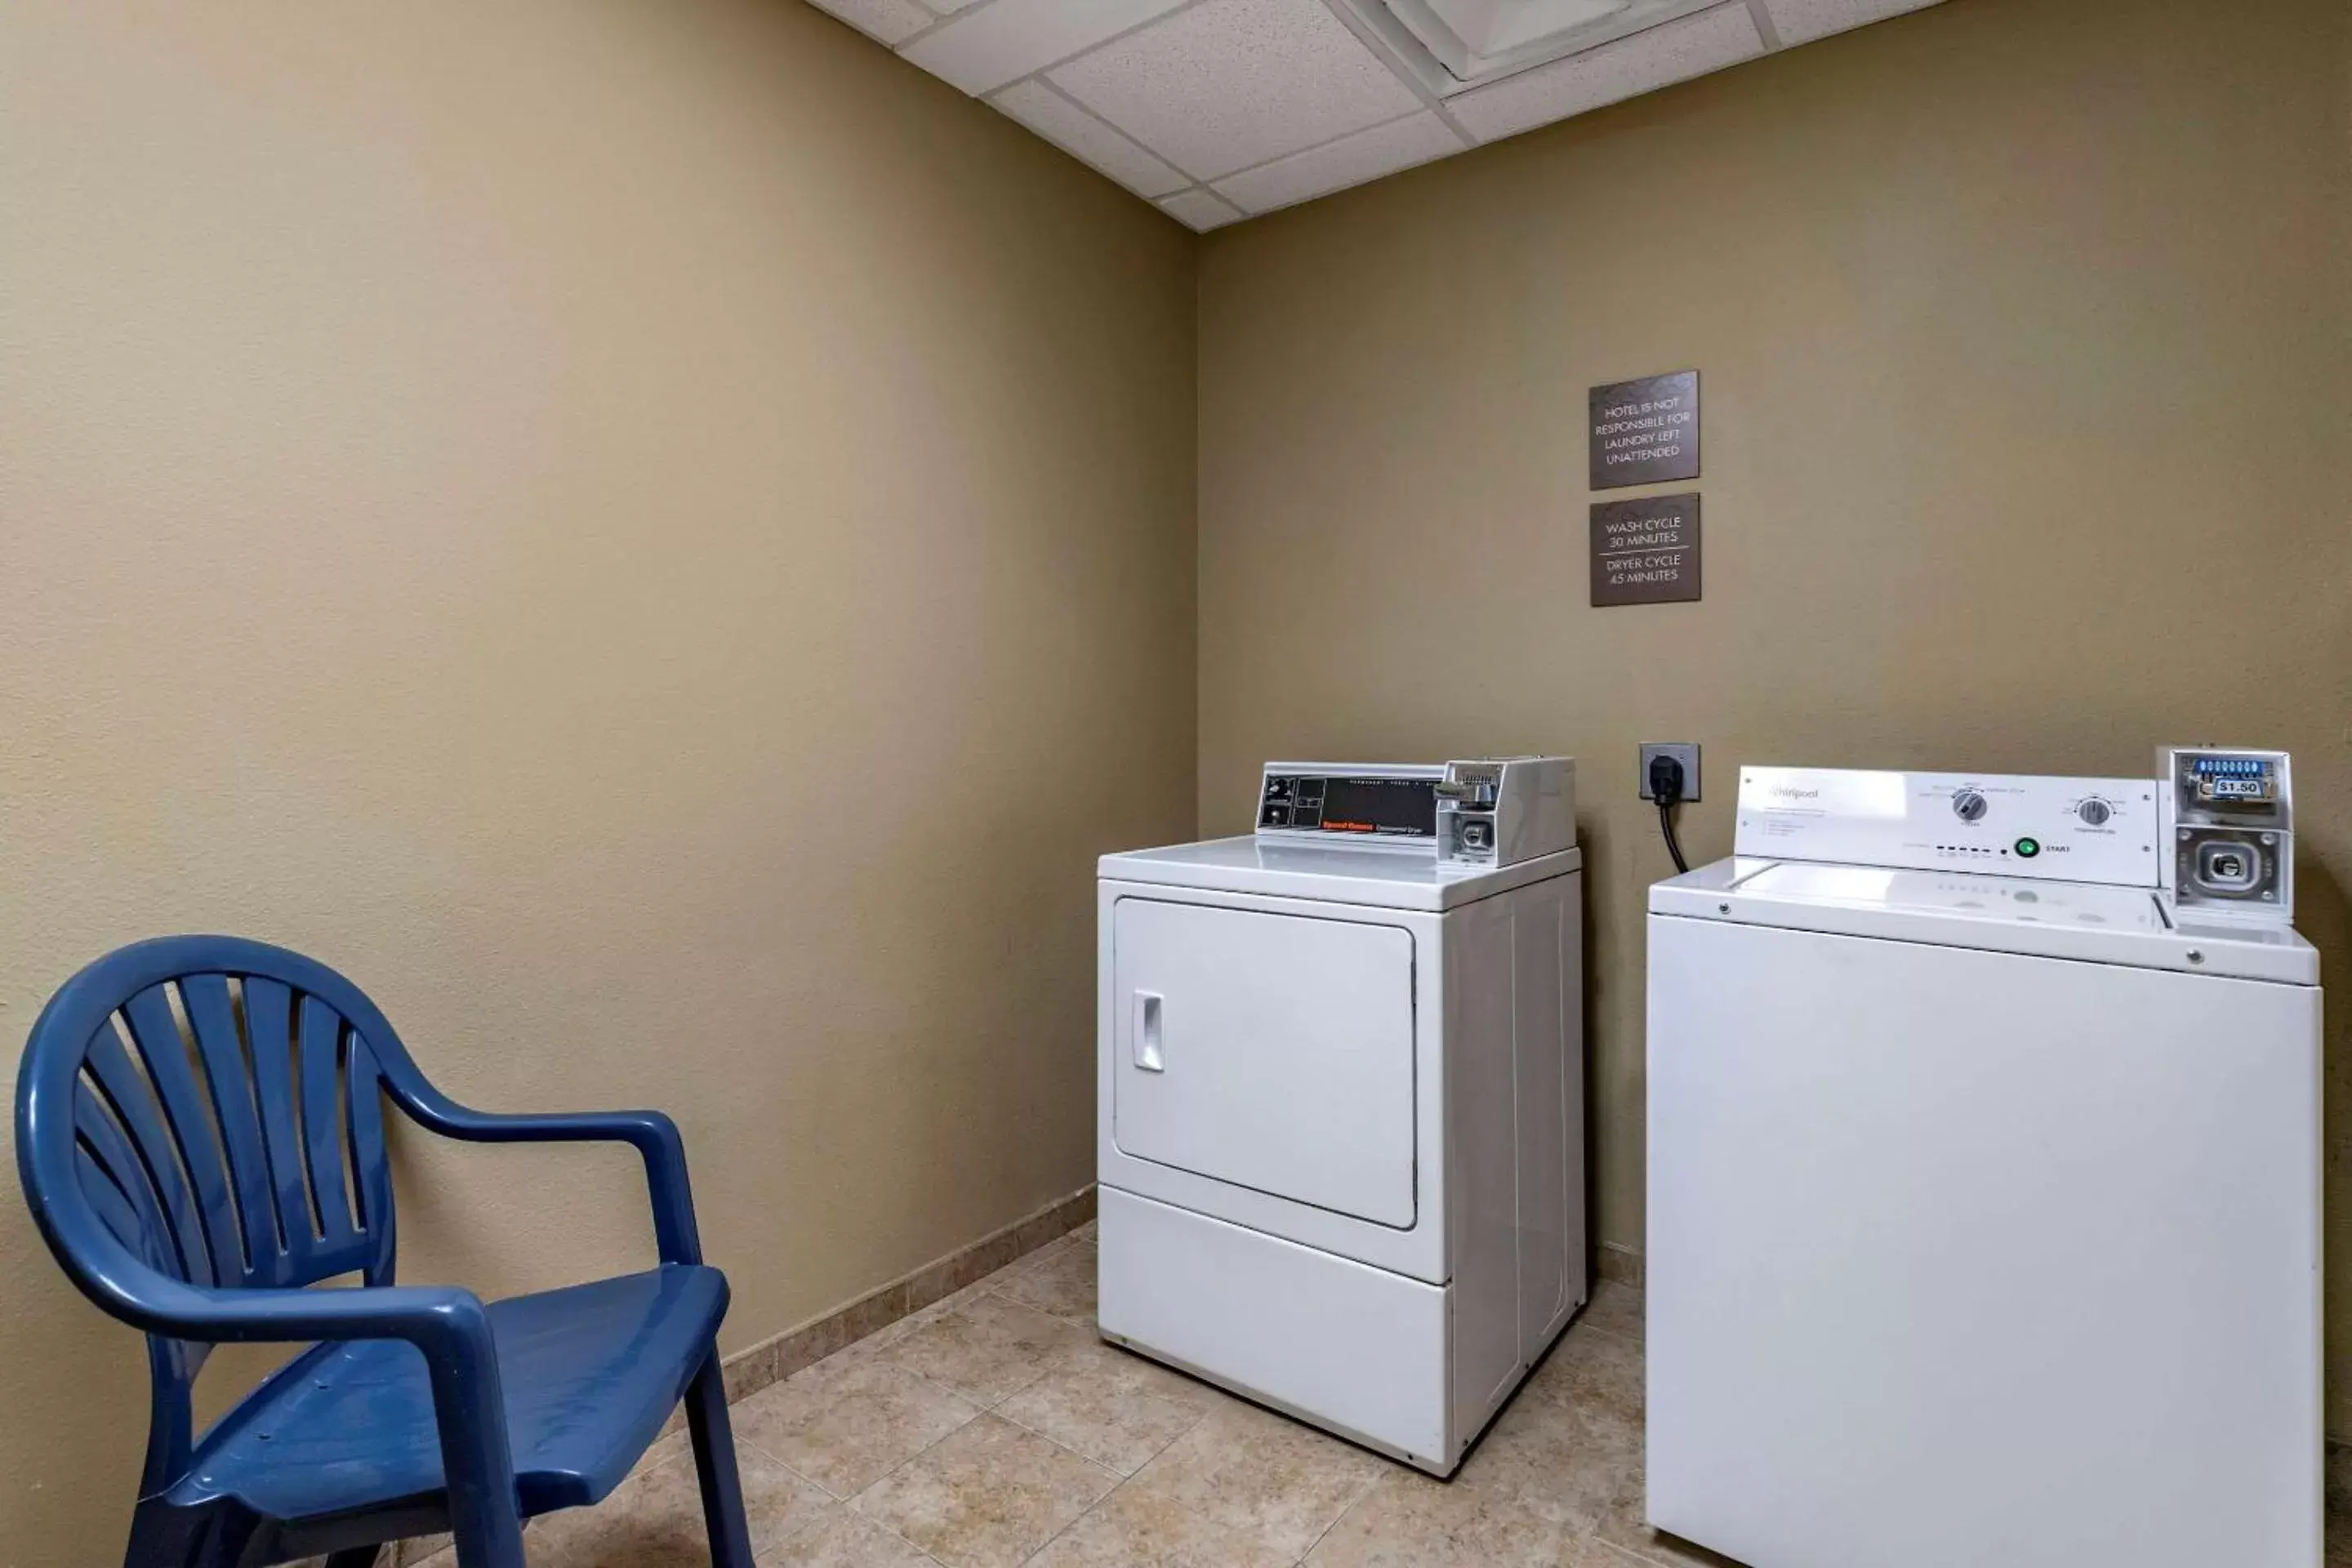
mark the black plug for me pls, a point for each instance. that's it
(1666, 788)
(1665, 781)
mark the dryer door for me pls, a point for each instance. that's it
(1271, 1051)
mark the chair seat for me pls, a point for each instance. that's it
(590, 1371)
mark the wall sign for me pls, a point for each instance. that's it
(1645, 432)
(1646, 552)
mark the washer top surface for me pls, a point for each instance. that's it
(2095, 922)
(1393, 877)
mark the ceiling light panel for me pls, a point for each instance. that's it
(1802, 21)
(1087, 138)
(1498, 26)
(1350, 161)
(989, 46)
(1481, 39)
(1230, 83)
(1674, 52)
(1452, 46)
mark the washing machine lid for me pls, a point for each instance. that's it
(1392, 877)
(2095, 922)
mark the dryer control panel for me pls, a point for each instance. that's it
(2229, 831)
(1472, 815)
(2013, 824)
(1499, 811)
(1351, 800)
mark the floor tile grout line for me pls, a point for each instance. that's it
(812, 1480)
(851, 1501)
(865, 1518)
(1118, 1481)
(979, 1410)
(1362, 1492)
(912, 1546)
(805, 1525)
(1198, 1417)
(1080, 1517)
(1123, 1483)
(981, 1405)
(1618, 1335)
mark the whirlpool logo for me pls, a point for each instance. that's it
(1791, 792)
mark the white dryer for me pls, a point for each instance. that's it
(1984, 1178)
(1340, 1113)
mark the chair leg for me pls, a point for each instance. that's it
(714, 1463)
(216, 1535)
(497, 1545)
(159, 1539)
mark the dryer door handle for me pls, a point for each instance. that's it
(1147, 1041)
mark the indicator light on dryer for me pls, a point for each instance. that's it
(2027, 849)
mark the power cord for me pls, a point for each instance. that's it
(1667, 789)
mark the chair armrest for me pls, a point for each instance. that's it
(430, 1317)
(654, 1136)
(448, 1326)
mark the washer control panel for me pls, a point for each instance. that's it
(2014, 824)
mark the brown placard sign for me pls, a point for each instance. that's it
(1646, 552)
(1644, 432)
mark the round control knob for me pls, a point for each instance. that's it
(1969, 805)
(2095, 812)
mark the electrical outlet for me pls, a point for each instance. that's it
(1682, 752)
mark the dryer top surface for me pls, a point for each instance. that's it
(1393, 877)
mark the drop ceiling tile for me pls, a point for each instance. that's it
(1671, 52)
(1802, 21)
(1085, 138)
(1349, 161)
(1203, 210)
(1228, 83)
(992, 45)
(888, 20)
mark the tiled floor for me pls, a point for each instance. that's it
(995, 1429)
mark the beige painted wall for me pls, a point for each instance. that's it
(588, 514)
(2027, 434)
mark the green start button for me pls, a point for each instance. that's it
(2027, 849)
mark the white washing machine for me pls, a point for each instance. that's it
(1340, 1123)
(1984, 1176)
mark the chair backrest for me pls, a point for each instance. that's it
(210, 1109)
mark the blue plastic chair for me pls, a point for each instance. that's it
(195, 1180)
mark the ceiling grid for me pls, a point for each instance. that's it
(1216, 110)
